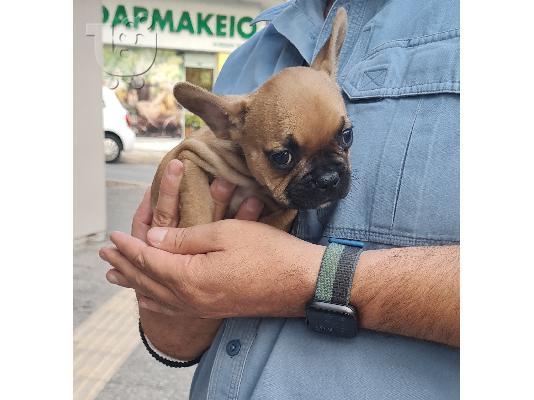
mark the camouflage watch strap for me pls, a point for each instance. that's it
(338, 265)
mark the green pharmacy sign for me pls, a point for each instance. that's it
(195, 23)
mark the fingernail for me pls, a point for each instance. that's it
(156, 235)
(102, 254)
(112, 278)
(224, 186)
(254, 204)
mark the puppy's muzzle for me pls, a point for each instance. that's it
(327, 181)
(320, 186)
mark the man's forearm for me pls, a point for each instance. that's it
(413, 291)
(407, 291)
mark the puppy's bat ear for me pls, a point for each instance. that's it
(223, 114)
(327, 58)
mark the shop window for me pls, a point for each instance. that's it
(202, 77)
(152, 108)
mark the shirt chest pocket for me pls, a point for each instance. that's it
(403, 100)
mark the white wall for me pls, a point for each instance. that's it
(89, 167)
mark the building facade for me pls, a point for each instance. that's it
(151, 45)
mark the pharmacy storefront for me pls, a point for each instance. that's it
(150, 46)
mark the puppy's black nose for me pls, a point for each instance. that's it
(328, 180)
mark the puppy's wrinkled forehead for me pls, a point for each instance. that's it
(302, 103)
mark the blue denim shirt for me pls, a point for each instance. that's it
(399, 74)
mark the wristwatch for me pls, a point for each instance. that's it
(329, 312)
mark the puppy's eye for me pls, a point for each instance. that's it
(282, 159)
(345, 138)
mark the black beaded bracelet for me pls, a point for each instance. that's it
(163, 360)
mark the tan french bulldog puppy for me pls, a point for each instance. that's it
(286, 143)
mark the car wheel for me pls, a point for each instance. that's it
(112, 147)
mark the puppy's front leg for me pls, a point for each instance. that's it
(196, 203)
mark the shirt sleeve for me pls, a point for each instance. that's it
(255, 61)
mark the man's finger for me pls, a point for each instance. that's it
(197, 239)
(137, 278)
(166, 212)
(128, 245)
(115, 277)
(250, 209)
(160, 265)
(142, 217)
(221, 192)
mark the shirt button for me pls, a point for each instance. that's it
(233, 347)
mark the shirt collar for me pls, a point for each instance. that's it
(271, 13)
(300, 21)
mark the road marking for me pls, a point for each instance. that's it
(103, 342)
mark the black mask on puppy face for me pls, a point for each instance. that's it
(328, 180)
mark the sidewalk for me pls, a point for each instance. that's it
(109, 360)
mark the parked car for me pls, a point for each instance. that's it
(118, 135)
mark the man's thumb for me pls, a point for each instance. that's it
(194, 240)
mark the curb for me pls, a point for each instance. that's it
(113, 183)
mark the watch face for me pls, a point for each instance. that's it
(332, 319)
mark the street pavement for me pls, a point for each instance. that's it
(109, 360)
(139, 165)
(131, 173)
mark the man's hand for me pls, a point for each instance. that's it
(175, 333)
(224, 269)
(166, 214)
